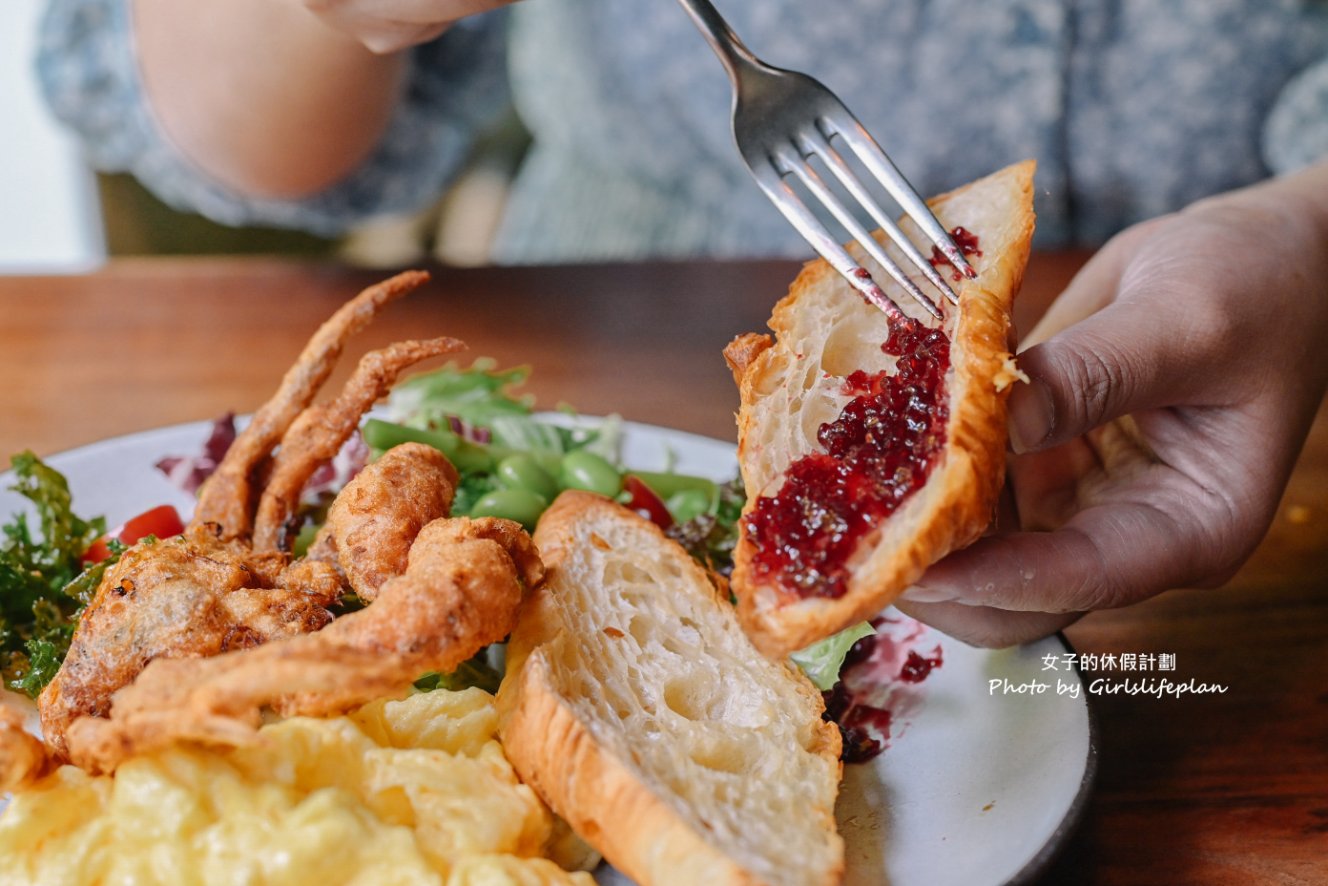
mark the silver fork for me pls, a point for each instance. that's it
(781, 120)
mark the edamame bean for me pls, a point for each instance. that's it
(520, 505)
(466, 456)
(586, 470)
(520, 471)
(667, 484)
(687, 504)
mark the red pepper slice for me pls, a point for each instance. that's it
(643, 500)
(162, 521)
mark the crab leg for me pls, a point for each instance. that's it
(227, 497)
(460, 591)
(317, 434)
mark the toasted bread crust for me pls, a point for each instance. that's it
(605, 797)
(599, 797)
(742, 352)
(956, 505)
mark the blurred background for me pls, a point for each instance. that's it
(58, 216)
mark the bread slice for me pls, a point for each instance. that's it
(637, 708)
(792, 385)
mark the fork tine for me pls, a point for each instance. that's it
(793, 163)
(821, 147)
(806, 223)
(856, 136)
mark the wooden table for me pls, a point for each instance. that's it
(1218, 789)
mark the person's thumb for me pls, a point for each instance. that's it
(1120, 360)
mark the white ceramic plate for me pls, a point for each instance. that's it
(975, 788)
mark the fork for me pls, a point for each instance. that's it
(781, 120)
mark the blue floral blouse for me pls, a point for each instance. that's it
(1132, 107)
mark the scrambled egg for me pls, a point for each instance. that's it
(400, 792)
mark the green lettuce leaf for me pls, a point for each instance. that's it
(43, 586)
(53, 557)
(476, 396)
(821, 661)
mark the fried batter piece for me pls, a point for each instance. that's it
(460, 592)
(374, 521)
(23, 757)
(213, 590)
(193, 595)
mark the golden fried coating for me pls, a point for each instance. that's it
(318, 433)
(190, 596)
(463, 578)
(226, 499)
(460, 592)
(375, 519)
(23, 757)
(193, 637)
(213, 590)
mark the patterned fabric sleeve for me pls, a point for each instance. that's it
(457, 83)
(1295, 134)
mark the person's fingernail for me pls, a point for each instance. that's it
(1031, 416)
(927, 594)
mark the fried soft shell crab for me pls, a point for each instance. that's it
(194, 637)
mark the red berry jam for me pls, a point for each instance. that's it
(877, 453)
(967, 242)
(878, 687)
(917, 667)
(863, 729)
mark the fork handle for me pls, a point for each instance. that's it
(727, 45)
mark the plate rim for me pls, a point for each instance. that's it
(1074, 816)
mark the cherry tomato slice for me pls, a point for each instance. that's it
(643, 500)
(162, 521)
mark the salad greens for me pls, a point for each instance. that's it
(43, 586)
(822, 661)
(480, 405)
(475, 672)
(710, 535)
(476, 395)
(512, 462)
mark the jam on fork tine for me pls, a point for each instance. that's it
(787, 162)
(783, 119)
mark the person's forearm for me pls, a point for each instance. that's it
(260, 94)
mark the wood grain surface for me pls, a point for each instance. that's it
(1229, 788)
